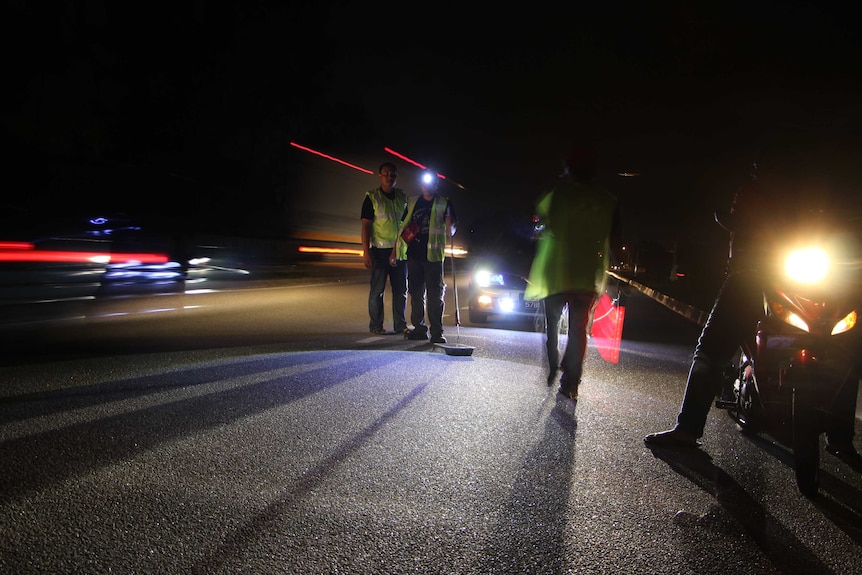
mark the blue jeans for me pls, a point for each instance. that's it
(380, 271)
(426, 278)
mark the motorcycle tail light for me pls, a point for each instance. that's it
(847, 323)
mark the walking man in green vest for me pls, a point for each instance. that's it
(580, 219)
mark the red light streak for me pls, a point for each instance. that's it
(16, 246)
(30, 255)
(328, 157)
(405, 158)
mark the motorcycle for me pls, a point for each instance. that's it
(789, 378)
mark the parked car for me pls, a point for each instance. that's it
(497, 291)
(501, 254)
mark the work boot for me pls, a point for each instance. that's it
(673, 438)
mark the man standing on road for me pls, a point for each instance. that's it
(433, 218)
(579, 219)
(382, 212)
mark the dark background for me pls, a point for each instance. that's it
(186, 110)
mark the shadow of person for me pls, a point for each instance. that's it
(777, 542)
(837, 499)
(564, 414)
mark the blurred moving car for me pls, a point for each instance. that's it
(47, 255)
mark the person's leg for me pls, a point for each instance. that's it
(398, 281)
(436, 289)
(580, 309)
(416, 288)
(553, 305)
(734, 316)
(376, 291)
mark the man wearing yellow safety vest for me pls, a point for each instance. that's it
(433, 219)
(579, 220)
(382, 212)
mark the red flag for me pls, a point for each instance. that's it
(607, 328)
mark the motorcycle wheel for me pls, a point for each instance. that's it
(806, 445)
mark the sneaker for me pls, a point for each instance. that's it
(378, 331)
(552, 376)
(570, 393)
(674, 438)
(438, 339)
(416, 335)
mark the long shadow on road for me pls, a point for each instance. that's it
(34, 462)
(781, 547)
(533, 522)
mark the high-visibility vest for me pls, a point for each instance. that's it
(387, 216)
(573, 251)
(436, 229)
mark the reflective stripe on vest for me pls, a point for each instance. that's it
(437, 231)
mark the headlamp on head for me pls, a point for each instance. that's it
(429, 178)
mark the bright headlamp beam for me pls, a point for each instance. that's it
(418, 165)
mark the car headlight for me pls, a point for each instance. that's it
(808, 265)
(485, 278)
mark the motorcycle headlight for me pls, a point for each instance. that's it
(796, 321)
(847, 323)
(808, 265)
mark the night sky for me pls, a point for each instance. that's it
(211, 94)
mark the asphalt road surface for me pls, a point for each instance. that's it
(260, 429)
